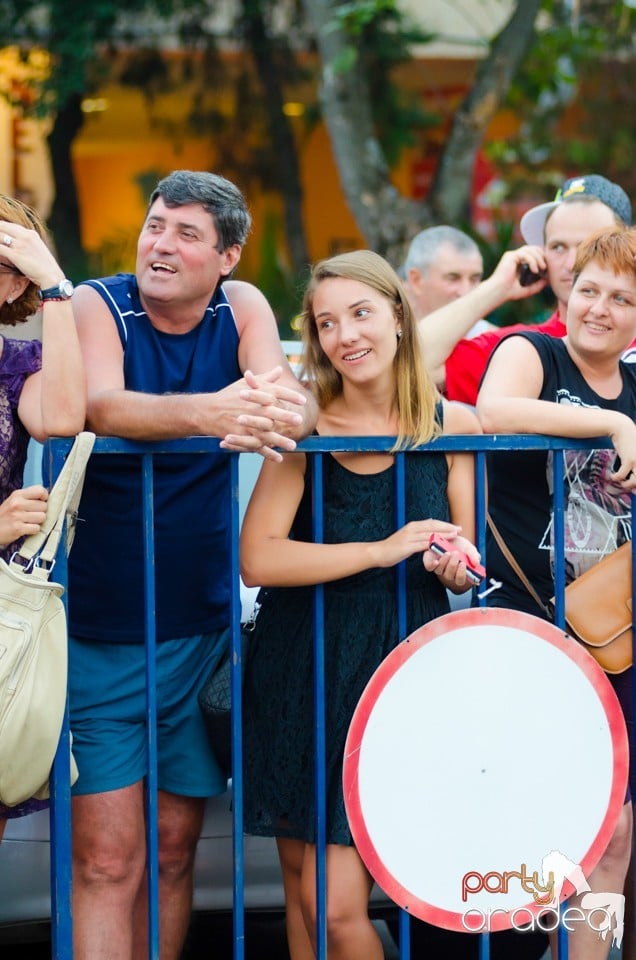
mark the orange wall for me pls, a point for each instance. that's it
(119, 145)
(134, 139)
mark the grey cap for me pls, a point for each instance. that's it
(533, 221)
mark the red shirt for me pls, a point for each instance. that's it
(466, 364)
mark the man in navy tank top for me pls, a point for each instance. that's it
(177, 349)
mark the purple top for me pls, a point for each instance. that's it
(19, 359)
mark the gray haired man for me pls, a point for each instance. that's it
(442, 264)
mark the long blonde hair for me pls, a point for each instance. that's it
(416, 396)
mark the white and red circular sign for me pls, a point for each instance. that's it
(486, 747)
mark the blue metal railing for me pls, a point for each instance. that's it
(316, 447)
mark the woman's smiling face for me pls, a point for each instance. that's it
(357, 328)
(602, 310)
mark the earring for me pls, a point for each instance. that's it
(399, 334)
(9, 299)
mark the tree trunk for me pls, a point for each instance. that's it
(450, 192)
(281, 133)
(65, 220)
(384, 217)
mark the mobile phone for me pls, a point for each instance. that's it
(527, 276)
(474, 571)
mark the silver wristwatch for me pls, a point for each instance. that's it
(63, 291)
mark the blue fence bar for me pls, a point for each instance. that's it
(61, 919)
(404, 926)
(150, 626)
(314, 447)
(236, 674)
(558, 503)
(319, 721)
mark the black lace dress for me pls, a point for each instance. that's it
(360, 630)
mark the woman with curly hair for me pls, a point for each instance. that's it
(42, 386)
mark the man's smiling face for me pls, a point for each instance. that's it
(177, 256)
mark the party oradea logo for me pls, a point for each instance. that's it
(603, 912)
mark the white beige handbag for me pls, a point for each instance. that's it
(34, 642)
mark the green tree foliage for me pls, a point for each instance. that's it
(565, 68)
(80, 39)
(379, 37)
(353, 114)
(255, 142)
(582, 65)
(581, 59)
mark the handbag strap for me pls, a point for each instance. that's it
(503, 546)
(62, 505)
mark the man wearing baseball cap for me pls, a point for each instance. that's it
(552, 232)
(590, 188)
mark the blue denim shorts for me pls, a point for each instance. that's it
(108, 715)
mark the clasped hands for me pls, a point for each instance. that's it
(267, 415)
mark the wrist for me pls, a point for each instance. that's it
(193, 413)
(62, 290)
(492, 293)
(371, 553)
(616, 423)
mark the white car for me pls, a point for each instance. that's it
(24, 872)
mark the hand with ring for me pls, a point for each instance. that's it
(29, 255)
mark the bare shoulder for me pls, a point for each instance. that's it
(459, 418)
(96, 327)
(247, 301)
(86, 300)
(260, 348)
(515, 368)
(100, 343)
(515, 345)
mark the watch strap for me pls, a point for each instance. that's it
(58, 292)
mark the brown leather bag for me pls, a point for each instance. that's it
(598, 610)
(598, 605)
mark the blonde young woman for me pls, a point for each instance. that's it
(42, 388)
(362, 357)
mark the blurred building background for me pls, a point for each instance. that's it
(162, 97)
